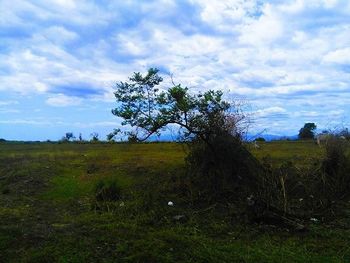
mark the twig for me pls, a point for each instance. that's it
(204, 210)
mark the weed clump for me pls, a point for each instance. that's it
(107, 191)
(312, 190)
(336, 169)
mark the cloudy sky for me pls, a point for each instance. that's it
(59, 59)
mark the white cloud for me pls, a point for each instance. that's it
(339, 56)
(25, 122)
(226, 15)
(270, 111)
(8, 102)
(61, 100)
(94, 124)
(6, 111)
(58, 34)
(264, 30)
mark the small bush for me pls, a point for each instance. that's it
(260, 139)
(225, 169)
(107, 191)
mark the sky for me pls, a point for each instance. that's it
(60, 60)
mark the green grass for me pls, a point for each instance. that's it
(48, 211)
(300, 152)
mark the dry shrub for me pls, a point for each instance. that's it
(222, 169)
(311, 190)
(336, 169)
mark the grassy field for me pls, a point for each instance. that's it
(49, 213)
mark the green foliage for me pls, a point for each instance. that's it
(147, 108)
(111, 136)
(308, 131)
(67, 137)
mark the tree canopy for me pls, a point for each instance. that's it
(147, 108)
(308, 131)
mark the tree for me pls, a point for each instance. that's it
(68, 136)
(94, 137)
(143, 106)
(218, 160)
(308, 131)
(111, 136)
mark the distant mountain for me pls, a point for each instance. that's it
(163, 138)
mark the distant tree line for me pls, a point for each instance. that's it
(70, 137)
(309, 132)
